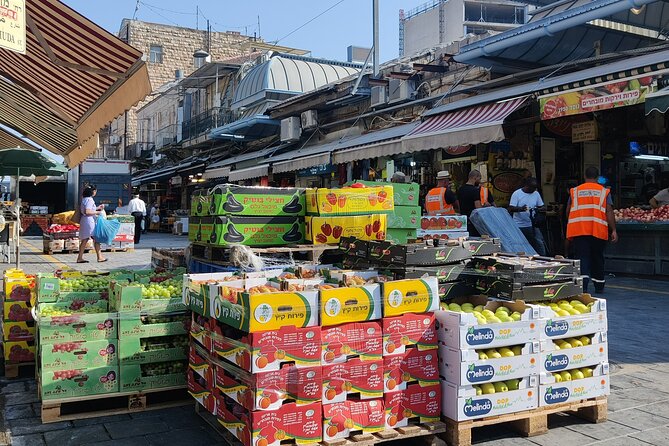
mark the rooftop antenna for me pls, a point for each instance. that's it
(134, 15)
(259, 27)
(197, 16)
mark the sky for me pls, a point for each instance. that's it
(342, 23)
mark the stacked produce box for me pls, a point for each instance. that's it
(443, 227)
(18, 326)
(125, 238)
(317, 358)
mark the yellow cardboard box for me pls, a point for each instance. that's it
(410, 296)
(350, 201)
(350, 304)
(330, 229)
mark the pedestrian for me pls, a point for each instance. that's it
(154, 217)
(524, 200)
(441, 200)
(590, 224)
(137, 208)
(398, 177)
(472, 195)
(89, 212)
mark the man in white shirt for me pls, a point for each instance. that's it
(137, 208)
(522, 201)
(660, 199)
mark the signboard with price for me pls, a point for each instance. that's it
(13, 25)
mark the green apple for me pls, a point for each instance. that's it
(487, 388)
(564, 344)
(482, 355)
(513, 384)
(493, 320)
(562, 313)
(506, 352)
(479, 308)
(517, 350)
(500, 386)
(566, 376)
(558, 378)
(515, 316)
(585, 340)
(454, 307)
(492, 353)
(478, 390)
(587, 372)
(487, 313)
(577, 374)
(481, 320)
(503, 309)
(575, 342)
(504, 318)
(467, 309)
(467, 304)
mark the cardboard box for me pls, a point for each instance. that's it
(53, 245)
(18, 311)
(126, 298)
(330, 229)
(413, 365)
(63, 355)
(353, 377)
(420, 254)
(200, 203)
(301, 423)
(441, 234)
(410, 296)
(408, 331)
(354, 247)
(463, 367)
(267, 350)
(553, 359)
(506, 289)
(416, 403)
(452, 290)
(137, 377)
(462, 330)
(140, 350)
(552, 392)
(18, 331)
(198, 389)
(198, 289)
(205, 230)
(194, 229)
(230, 199)
(405, 217)
(350, 304)
(255, 231)
(444, 222)
(350, 201)
(70, 383)
(353, 339)
(553, 327)
(526, 269)
(462, 403)
(401, 236)
(72, 324)
(145, 326)
(18, 289)
(72, 244)
(342, 420)
(19, 351)
(404, 194)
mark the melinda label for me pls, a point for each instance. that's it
(556, 362)
(556, 328)
(482, 373)
(556, 395)
(476, 408)
(480, 336)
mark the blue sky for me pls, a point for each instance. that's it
(349, 22)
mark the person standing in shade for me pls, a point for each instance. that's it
(522, 201)
(441, 200)
(590, 224)
(89, 212)
(137, 208)
(473, 196)
(398, 177)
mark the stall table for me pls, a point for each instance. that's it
(641, 249)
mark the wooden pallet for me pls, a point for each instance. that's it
(426, 434)
(113, 404)
(528, 423)
(19, 370)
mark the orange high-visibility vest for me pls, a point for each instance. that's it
(435, 202)
(587, 215)
(483, 195)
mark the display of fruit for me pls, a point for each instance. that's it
(263, 289)
(502, 352)
(162, 289)
(640, 215)
(484, 316)
(164, 342)
(163, 319)
(497, 387)
(164, 368)
(562, 344)
(57, 311)
(563, 308)
(573, 374)
(85, 284)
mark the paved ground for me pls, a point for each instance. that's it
(638, 405)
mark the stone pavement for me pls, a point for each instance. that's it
(638, 405)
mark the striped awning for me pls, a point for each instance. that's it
(261, 170)
(473, 125)
(75, 76)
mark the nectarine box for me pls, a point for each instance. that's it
(353, 339)
(60, 356)
(230, 199)
(410, 330)
(200, 391)
(256, 231)
(413, 365)
(350, 304)
(353, 377)
(341, 420)
(422, 404)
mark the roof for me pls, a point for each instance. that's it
(206, 74)
(290, 75)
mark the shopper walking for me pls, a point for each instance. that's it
(590, 224)
(473, 196)
(441, 200)
(137, 208)
(523, 201)
(89, 212)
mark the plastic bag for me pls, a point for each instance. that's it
(105, 230)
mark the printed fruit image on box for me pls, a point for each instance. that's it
(19, 351)
(330, 229)
(408, 367)
(444, 222)
(353, 377)
(419, 403)
(19, 289)
(350, 304)
(69, 383)
(18, 311)
(194, 229)
(199, 389)
(256, 231)
(200, 201)
(410, 296)
(350, 200)
(18, 331)
(61, 355)
(409, 330)
(341, 420)
(230, 199)
(354, 339)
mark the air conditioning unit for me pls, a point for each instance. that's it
(400, 90)
(379, 96)
(290, 129)
(309, 119)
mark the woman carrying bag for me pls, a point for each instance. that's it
(89, 212)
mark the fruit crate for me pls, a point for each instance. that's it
(78, 382)
(149, 325)
(524, 270)
(528, 292)
(571, 387)
(76, 321)
(582, 351)
(89, 354)
(141, 350)
(558, 324)
(155, 375)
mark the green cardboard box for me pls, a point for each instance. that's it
(229, 199)
(193, 228)
(405, 217)
(68, 324)
(135, 377)
(76, 355)
(60, 384)
(205, 230)
(200, 201)
(48, 290)
(404, 194)
(136, 325)
(122, 218)
(257, 231)
(401, 236)
(127, 298)
(150, 349)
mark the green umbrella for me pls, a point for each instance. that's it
(26, 162)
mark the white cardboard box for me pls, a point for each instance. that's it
(555, 360)
(579, 389)
(461, 403)
(463, 367)
(553, 327)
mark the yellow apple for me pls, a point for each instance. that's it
(577, 374)
(565, 306)
(566, 376)
(506, 352)
(563, 313)
(558, 378)
(585, 340)
(504, 318)
(493, 320)
(467, 309)
(517, 350)
(487, 388)
(587, 372)
(454, 307)
(492, 353)
(573, 311)
(481, 320)
(500, 386)
(575, 302)
(564, 344)
(487, 313)
(575, 342)
(478, 308)
(515, 316)
(503, 309)
(482, 355)
(512, 384)
(478, 390)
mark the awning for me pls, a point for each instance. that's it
(75, 76)
(255, 127)
(658, 101)
(301, 163)
(149, 177)
(251, 172)
(385, 142)
(474, 125)
(221, 172)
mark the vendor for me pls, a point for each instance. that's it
(472, 195)
(441, 200)
(660, 199)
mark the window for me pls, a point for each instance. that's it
(156, 54)
(198, 62)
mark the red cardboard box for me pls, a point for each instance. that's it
(340, 420)
(411, 366)
(409, 330)
(416, 402)
(362, 339)
(199, 390)
(201, 365)
(355, 376)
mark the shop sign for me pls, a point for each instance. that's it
(620, 93)
(13, 25)
(175, 181)
(321, 169)
(458, 152)
(507, 182)
(584, 131)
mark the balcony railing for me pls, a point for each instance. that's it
(206, 121)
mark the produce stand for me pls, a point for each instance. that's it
(641, 249)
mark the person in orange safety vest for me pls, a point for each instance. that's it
(441, 200)
(590, 224)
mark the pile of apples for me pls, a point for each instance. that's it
(564, 308)
(563, 344)
(485, 316)
(497, 387)
(569, 375)
(638, 215)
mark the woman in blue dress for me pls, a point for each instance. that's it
(89, 213)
